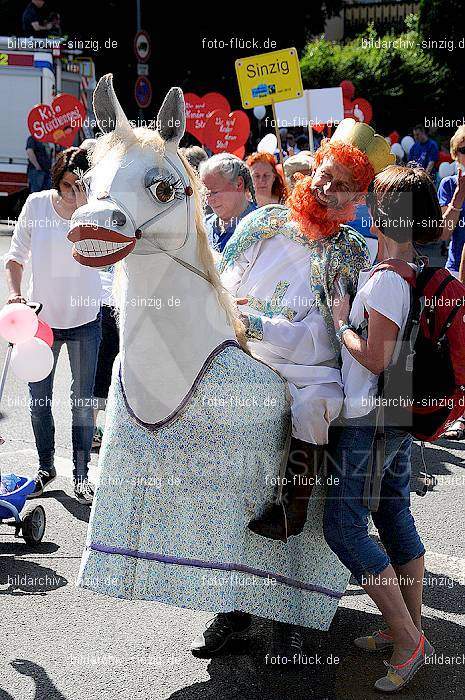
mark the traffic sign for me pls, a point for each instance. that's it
(142, 69)
(269, 77)
(143, 91)
(142, 46)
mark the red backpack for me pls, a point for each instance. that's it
(429, 373)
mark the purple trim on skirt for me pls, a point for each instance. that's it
(187, 398)
(198, 563)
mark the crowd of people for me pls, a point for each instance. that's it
(299, 271)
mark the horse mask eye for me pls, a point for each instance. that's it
(163, 191)
(164, 186)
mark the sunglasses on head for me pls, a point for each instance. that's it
(461, 150)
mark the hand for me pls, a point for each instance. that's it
(79, 193)
(460, 188)
(341, 308)
(16, 299)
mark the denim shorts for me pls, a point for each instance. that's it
(346, 518)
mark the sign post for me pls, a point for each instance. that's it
(268, 78)
(142, 51)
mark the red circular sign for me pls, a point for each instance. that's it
(143, 91)
(142, 46)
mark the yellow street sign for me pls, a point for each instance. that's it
(269, 77)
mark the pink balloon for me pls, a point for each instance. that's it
(45, 333)
(32, 360)
(18, 323)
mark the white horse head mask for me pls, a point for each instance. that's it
(140, 207)
(139, 193)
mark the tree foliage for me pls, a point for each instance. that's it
(403, 82)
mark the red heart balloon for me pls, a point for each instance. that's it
(359, 109)
(239, 152)
(348, 89)
(199, 108)
(59, 122)
(226, 132)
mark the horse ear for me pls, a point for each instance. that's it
(171, 119)
(108, 111)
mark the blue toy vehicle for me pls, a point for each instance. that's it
(32, 524)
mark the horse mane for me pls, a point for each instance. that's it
(149, 138)
(208, 262)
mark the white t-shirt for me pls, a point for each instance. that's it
(107, 275)
(389, 294)
(70, 293)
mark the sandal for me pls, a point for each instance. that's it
(456, 430)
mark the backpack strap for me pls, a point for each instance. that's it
(402, 268)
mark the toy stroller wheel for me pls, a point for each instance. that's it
(33, 527)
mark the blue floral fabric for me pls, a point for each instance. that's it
(169, 520)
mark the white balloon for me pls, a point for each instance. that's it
(259, 111)
(268, 144)
(32, 360)
(407, 143)
(397, 150)
(446, 169)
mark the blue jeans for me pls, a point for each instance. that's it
(82, 344)
(346, 518)
(38, 180)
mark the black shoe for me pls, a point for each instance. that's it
(219, 631)
(42, 479)
(287, 644)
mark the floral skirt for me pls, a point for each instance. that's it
(169, 519)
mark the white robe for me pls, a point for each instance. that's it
(274, 275)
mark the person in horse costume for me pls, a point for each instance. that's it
(197, 430)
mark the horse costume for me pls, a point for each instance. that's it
(197, 430)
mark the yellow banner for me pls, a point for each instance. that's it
(269, 77)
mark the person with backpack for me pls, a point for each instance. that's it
(405, 210)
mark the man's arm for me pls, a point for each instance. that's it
(451, 210)
(33, 158)
(303, 342)
(232, 276)
(38, 27)
(430, 166)
(433, 155)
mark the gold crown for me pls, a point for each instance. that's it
(363, 137)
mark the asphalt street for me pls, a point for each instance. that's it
(60, 642)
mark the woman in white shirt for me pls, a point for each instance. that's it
(402, 201)
(70, 295)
